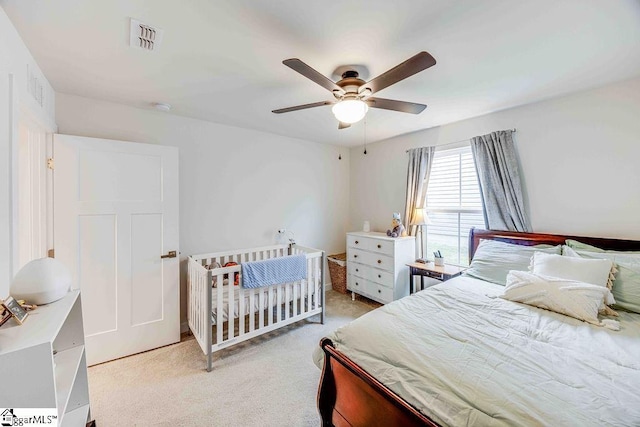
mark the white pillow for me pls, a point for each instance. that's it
(569, 297)
(570, 252)
(593, 271)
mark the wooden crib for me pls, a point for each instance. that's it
(221, 314)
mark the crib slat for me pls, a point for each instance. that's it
(302, 297)
(279, 302)
(231, 307)
(296, 286)
(201, 283)
(314, 282)
(252, 309)
(309, 286)
(198, 318)
(219, 308)
(261, 294)
(270, 305)
(241, 311)
(203, 321)
(287, 311)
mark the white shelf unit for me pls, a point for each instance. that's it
(377, 265)
(43, 362)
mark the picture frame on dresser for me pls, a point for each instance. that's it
(15, 309)
(377, 265)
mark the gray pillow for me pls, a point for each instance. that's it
(626, 286)
(493, 259)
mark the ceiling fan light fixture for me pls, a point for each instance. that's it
(350, 110)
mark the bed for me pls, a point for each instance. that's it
(221, 313)
(457, 354)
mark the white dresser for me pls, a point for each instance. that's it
(377, 265)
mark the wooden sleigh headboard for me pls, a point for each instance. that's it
(530, 239)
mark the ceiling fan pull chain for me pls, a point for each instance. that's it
(365, 136)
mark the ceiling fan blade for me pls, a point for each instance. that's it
(408, 68)
(390, 104)
(296, 65)
(343, 125)
(302, 107)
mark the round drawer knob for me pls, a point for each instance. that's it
(379, 261)
(355, 256)
(357, 269)
(357, 242)
(356, 283)
(379, 276)
(379, 246)
(379, 291)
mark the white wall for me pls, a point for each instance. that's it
(579, 155)
(237, 186)
(15, 60)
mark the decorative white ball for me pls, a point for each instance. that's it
(41, 281)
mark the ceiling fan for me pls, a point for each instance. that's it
(353, 95)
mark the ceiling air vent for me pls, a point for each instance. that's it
(145, 36)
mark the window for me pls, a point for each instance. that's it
(453, 204)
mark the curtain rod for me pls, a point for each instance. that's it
(458, 142)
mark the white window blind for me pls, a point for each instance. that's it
(453, 204)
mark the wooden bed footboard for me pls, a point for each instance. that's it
(349, 396)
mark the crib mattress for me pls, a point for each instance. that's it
(260, 293)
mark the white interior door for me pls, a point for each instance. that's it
(32, 224)
(115, 217)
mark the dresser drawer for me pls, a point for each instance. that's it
(357, 284)
(379, 292)
(380, 261)
(356, 269)
(358, 255)
(385, 247)
(370, 289)
(381, 277)
(357, 242)
(371, 259)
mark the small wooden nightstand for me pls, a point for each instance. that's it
(439, 272)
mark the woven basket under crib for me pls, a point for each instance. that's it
(338, 272)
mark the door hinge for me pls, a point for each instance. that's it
(50, 163)
(51, 253)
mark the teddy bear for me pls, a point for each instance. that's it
(398, 228)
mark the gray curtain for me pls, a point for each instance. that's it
(499, 178)
(420, 161)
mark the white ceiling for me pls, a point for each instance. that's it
(221, 61)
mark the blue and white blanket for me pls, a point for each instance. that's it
(272, 271)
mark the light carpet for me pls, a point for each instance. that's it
(267, 381)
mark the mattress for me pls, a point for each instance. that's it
(260, 293)
(464, 357)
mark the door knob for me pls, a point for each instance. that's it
(170, 254)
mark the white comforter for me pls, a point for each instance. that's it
(464, 357)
